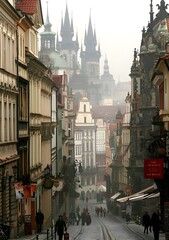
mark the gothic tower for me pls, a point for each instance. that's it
(48, 54)
(67, 46)
(90, 64)
(90, 57)
(47, 37)
(108, 85)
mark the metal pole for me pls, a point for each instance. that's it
(51, 232)
(47, 234)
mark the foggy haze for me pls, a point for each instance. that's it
(118, 26)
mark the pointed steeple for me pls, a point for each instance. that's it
(47, 25)
(135, 65)
(67, 31)
(47, 37)
(106, 66)
(151, 12)
(90, 40)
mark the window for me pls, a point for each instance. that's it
(84, 119)
(4, 51)
(14, 121)
(23, 108)
(84, 108)
(0, 121)
(88, 181)
(5, 121)
(69, 129)
(10, 130)
(165, 85)
(78, 150)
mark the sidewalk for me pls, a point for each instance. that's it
(136, 228)
(73, 231)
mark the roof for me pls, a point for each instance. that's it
(107, 112)
(27, 6)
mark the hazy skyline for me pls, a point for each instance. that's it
(118, 27)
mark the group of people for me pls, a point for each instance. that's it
(100, 211)
(151, 223)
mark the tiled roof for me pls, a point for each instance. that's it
(27, 6)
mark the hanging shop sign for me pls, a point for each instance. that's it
(58, 185)
(19, 190)
(153, 168)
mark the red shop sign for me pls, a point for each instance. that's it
(153, 168)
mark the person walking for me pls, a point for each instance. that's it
(146, 222)
(60, 227)
(39, 220)
(127, 218)
(155, 221)
(88, 219)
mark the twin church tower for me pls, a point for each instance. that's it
(84, 78)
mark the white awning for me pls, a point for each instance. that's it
(139, 195)
(116, 195)
(101, 188)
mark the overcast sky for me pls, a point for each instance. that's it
(118, 26)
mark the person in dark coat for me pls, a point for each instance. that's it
(39, 220)
(88, 219)
(83, 217)
(155, 221)
(146, 222)
(60, 227)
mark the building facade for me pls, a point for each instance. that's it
(85, 147)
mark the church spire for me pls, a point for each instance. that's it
(47, 25)
(151, 12)
(67, 31)
(106, 66)
(90, 40)
(47, 37)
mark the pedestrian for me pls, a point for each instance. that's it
(101, 211)
(72, 217)
(127, 218)
(39, 221)
(155, 221)
(60, 227)
(78, 217)
(146, 222)
(88, 219)
(83, 216)
(104, 212)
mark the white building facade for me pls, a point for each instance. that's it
(85, 147)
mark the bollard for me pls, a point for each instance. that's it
(47, 234)
(37, 236)
(51, 232)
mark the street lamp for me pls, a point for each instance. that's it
(48, 179)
